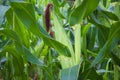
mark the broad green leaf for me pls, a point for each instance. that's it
(103, 22)
(18, 27)
(91, 6)
(22, 32)
(25, 12)
(78, 14)
(70, 73)
(29, 56)
(59, 30)
(83, 10)
(78, 39)
(20, 49)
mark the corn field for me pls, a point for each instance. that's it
(59, 39)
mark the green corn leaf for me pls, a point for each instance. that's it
(31, 58)
(60, 30)
(18, 27)
(114, 33)
(25, 12)
(63, 39)
(19, 47)
(83, 10)
(70, 73)
(17, 60)
(78, 39)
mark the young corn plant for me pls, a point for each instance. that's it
(59, 40)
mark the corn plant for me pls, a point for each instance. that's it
(59, 40)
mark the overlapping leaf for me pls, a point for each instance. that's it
(86, 7)
(114, 33)
(70, 73)
(25, 12)
(20, 49)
